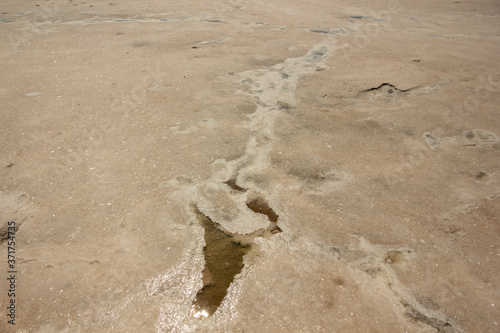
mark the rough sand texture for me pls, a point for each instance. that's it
(370, 128)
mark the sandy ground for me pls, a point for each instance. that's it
(370, 128)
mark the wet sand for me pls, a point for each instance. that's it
(342, 157)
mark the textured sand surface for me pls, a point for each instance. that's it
(370, 128)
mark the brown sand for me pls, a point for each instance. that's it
(370, 128)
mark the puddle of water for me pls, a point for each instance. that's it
(223, 260)
(224, 256)
(261, 207)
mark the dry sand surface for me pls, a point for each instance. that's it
(334, 166)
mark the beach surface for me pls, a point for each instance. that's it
(250, 166)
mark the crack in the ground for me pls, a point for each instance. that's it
(441, 323)
(226, 211)
(232, 184)
(390, 88)
(231, 204)
(378, 261)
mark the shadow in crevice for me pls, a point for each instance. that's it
(232, 184)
